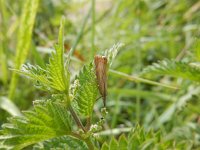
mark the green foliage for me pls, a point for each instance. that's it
(175, 69)
(56, 70)
(3, 44)
(24, 39)
(55, 76)
(87, 90)
(151, 30)
(140, 139)
(9, 106)
(64, 142)
(48, 120)
(35, 73)
(122, 142)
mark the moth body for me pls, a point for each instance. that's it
(101, 74)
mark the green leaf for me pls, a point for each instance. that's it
(87, 91)
(123, 143)
(55, 67)
(147, 140)
(113, 144)
(47, 121)
(9, 106)
(55, 76)
(178, 105)
(24, 39)
(64, 142)
(105, 146)
(173, 68)
(35, 73)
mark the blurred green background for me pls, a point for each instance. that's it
(151, 30)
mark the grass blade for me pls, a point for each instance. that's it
(24, 39)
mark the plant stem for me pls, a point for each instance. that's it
(79, 34)
(76, 135)
(116, 112)
(27, 20)
(139, 68)
(98, 20)
(138, 99)
(3, 42)
(88, 123)
(93, 30)
(138, 79)
(76, 118)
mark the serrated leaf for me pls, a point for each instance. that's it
(56, 63)
(45, 122)
(105, 146)
(175, 69)
(35, 73)
(64, 142)
(148, 140)
(113, 144)
(54, 76)
(87, 91)
(123, 143)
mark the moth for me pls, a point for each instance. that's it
(101, 74)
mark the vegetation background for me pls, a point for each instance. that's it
(151, 30)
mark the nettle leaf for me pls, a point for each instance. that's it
(54, 76)
(47, 121)
(176, 69)
(113, 144)
(122, 142)
(35, 73)
(105, 146)
(64, 142)
(140, 139)
(56, 64)
(87, 91)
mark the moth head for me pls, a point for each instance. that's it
(100, 59)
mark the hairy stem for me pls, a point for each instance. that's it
(76, 118)
(88, 123)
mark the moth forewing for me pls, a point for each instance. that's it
(101, 74)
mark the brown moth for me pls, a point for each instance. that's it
(101, 74)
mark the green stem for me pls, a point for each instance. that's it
(76, 135)
(3, 42)
(98, 20)
(93, 30)
(76, 118)
(138, 105)
(139, 67)
(79, 35)
(138, 79)
(116, 112)
(88, 123)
